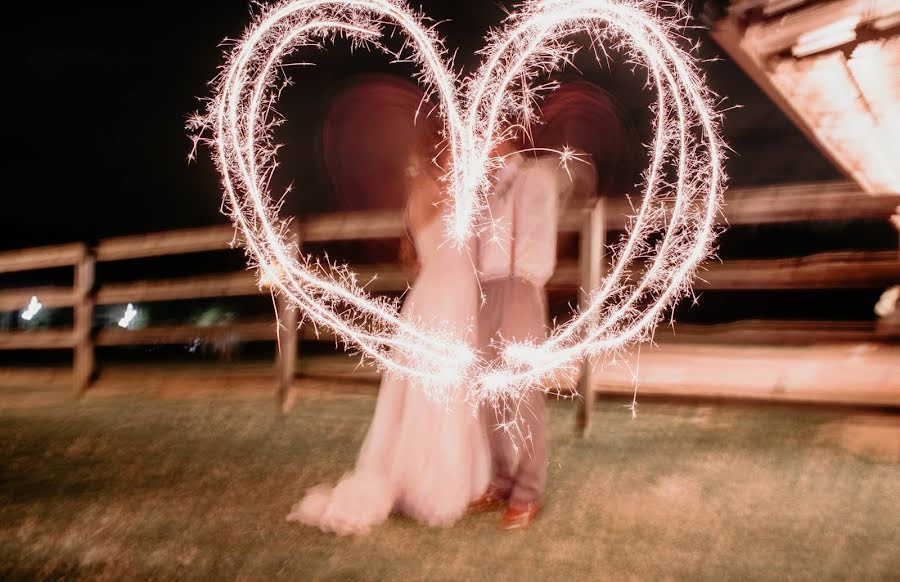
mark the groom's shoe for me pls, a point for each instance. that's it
(492, 500)
(520, 514)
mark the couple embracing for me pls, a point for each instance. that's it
(436, 461)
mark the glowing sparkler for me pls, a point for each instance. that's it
(130, 314)
(478, 112)
(33, 307)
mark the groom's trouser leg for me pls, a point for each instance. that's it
(503, 453)
(516, 310)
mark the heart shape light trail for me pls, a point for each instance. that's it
(478, 112)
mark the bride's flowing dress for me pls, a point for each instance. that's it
(425, 458)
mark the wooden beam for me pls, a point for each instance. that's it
(37, 340)
(826, 270)
(769, 332)
(843, 269)
(185, 334)
(745, 332)
(774, 204)
(846, 374)
(288, 337)
(48, 257)
(591, 270)
(729, 33)
(353, 226)
(17, 299)
(772, 36)
(836, 270)
(378, 278)
(806, 203)
(237, 284)
(83, 357)
(850, 374)
(174, 242)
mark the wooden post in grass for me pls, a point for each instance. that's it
(288, 335)
(83, 358)
(591, 266)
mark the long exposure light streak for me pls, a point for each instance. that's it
(478, 113)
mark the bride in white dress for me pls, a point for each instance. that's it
(424, 458)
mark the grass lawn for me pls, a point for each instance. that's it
(129, 486)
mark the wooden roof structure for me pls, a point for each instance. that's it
(833, 66)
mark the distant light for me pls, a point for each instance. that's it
(130, 314)
(33, 307)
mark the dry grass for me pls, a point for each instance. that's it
(124, 486)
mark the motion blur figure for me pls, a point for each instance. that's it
(516, 259)
(425, 458)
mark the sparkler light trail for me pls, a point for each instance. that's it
(478, 112)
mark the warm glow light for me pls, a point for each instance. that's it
(875, 68)
(478, 113)
(852, 104)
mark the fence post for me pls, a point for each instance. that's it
(591, 266)
(288, 336)
(83, 358)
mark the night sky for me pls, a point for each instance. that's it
(96, 95)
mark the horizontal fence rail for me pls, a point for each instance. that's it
(739, 332)
(834, 270)
(49, 257)
(771, 205)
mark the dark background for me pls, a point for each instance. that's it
(97, 93)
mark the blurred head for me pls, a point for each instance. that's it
(583, 173)
(590, 120)
(370, 131)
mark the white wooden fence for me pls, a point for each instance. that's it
(801, 203)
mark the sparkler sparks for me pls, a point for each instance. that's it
(478, 113)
